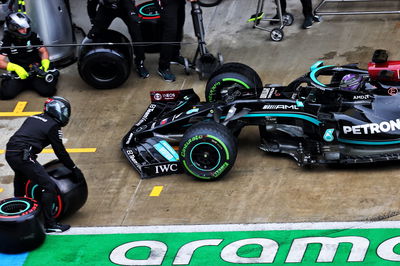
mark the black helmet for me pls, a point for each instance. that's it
(110, 3)
(58, 108)
(16, 21)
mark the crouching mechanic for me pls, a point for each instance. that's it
(23, 49)
(37, 132)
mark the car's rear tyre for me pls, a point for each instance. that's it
(105, 66)
(21, 225)
(225, 82)
(71, 196)
(207, 150)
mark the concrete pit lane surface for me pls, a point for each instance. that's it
(260, 188)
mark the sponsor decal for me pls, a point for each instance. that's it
(280, 106)
(221, 169)
(328, 136)
(132, 158)
(176, 116)
(191, 111)
(149, 110)
(40, 118)
(157, 96)
(361, 97)
(392, 91)
(373, 128)
(164, 95)
(164, 121)
(183, 151)
(166, 168)
(267, 93)
(308, 244)
(60, 134)
(129, 138)
(212, 91)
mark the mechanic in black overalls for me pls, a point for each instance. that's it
(172, 16)
(103, 12)
(18, 33)
(37, 132)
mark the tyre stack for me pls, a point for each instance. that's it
(21, 225)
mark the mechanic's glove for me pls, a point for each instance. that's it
(21, 72)
(78, 176)
(45, 65)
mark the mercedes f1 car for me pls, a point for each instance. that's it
(332, 114)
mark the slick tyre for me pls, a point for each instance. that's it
(207, 150)
(227, 81)
(105, 66)
(21, 225)
(71, 196)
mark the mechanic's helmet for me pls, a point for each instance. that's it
(58, 108)
(110, 3)
(350, 82)
(19, 25)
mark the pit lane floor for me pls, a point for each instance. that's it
(260, 188)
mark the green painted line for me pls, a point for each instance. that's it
(221, 246)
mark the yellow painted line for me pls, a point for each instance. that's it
(19, 111)
(156, 191)
(72, 150)
(68, 150)
(19, 108)
(1, 189)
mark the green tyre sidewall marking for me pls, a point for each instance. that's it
(215, 87)
(224, 163)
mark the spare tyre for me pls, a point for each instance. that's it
(71, 196)
(21, 225)
(105, 66)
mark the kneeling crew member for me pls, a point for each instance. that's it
(20, 60)
(37, 132)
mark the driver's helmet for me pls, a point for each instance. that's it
(350, 82)
(17, 21)
(58, 108)
(110, 3)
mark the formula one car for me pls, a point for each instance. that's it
(333, 114)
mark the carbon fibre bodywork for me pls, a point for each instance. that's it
(312, 121)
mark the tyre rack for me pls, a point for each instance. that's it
(323, 2)
(276, 34)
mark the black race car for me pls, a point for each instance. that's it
(333, 114)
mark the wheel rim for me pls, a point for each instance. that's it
(205, 156)
(104, 71)
(230, 91)
(276, 35)
(14, 207)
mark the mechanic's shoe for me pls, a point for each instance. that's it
(56, 228)
(179, 60)
(308, 21)
(141, 70)
(166, 75)
(316, 18)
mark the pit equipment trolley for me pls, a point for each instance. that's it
(318, 12)
(283, 20)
